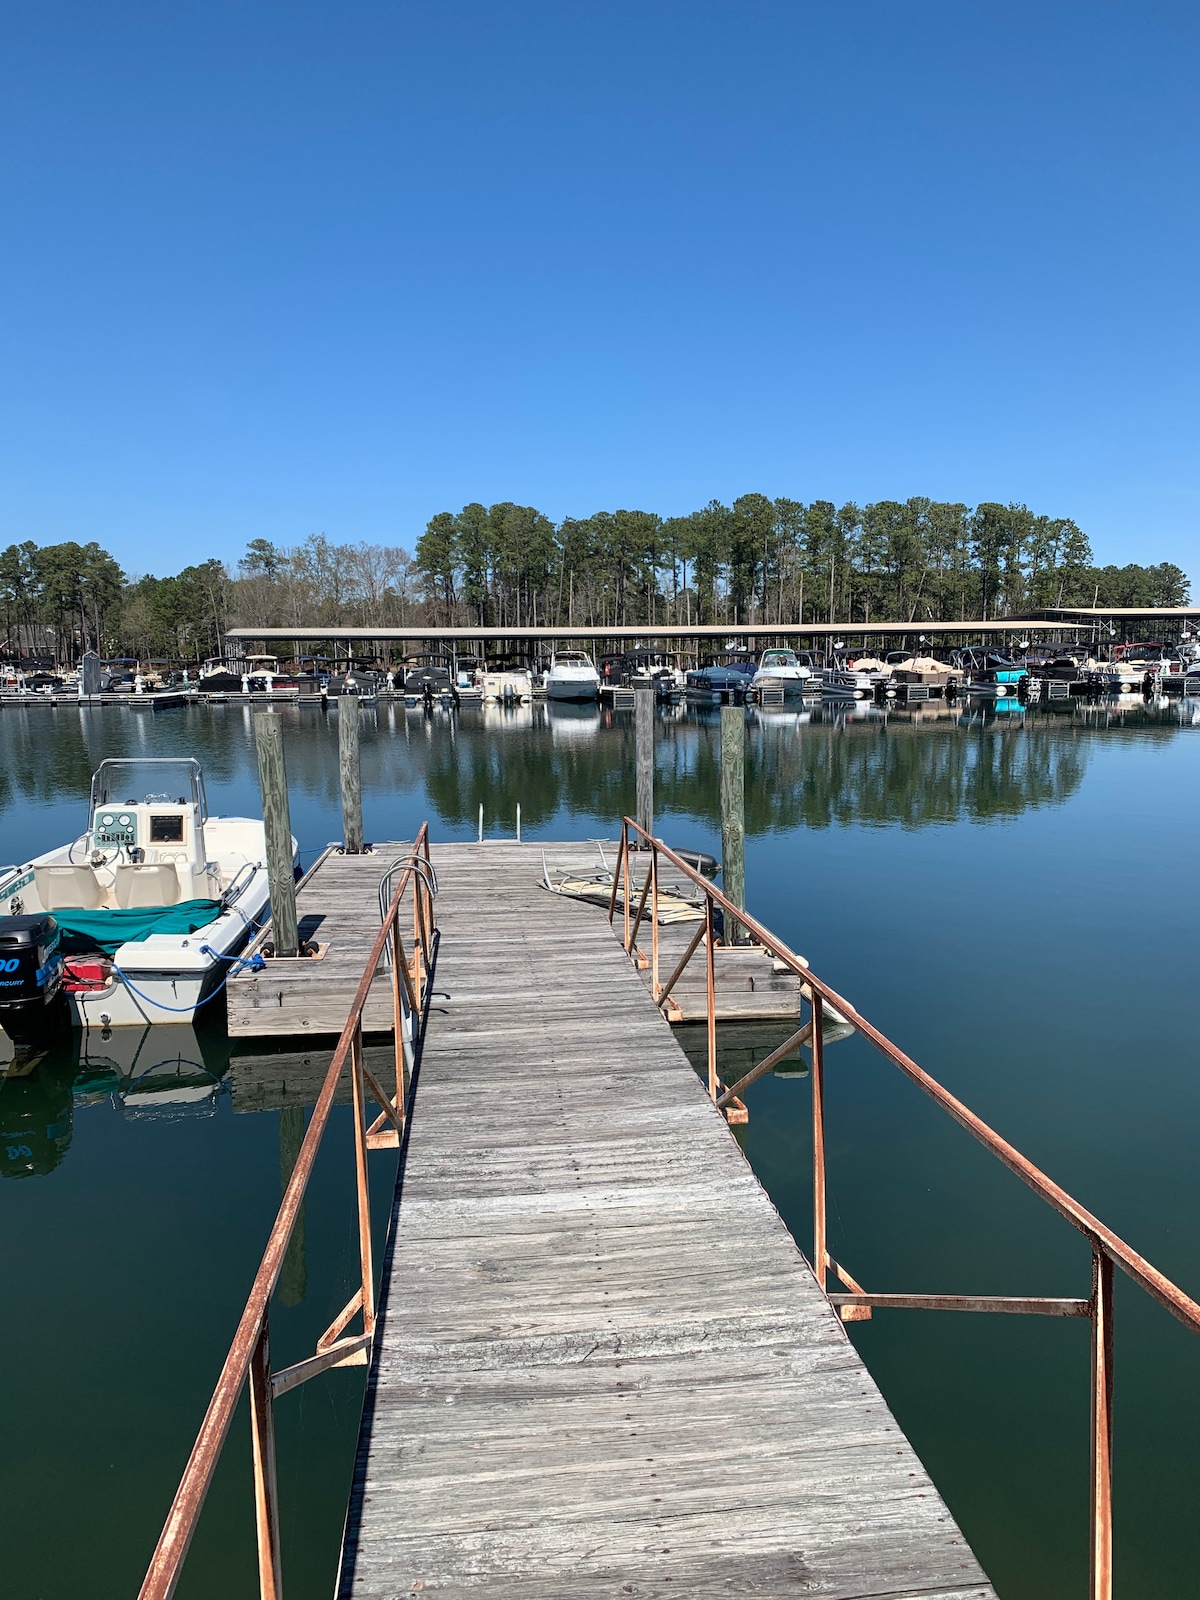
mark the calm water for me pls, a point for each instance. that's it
(1013, 901)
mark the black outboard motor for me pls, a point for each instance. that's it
(33, 1005)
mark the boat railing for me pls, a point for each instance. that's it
(248, 1363)
(857, 1304)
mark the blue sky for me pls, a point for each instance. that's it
(273, 269)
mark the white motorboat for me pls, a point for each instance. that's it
(572, 676)
(781, 669)
(141, 917)
(508, 686)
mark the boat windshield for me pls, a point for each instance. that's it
(779, 658)
(174, 780)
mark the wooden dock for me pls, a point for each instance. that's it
(603, 1367)
(337, 906)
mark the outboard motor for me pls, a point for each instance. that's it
(32, 1003)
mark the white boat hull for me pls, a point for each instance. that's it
(170, 977)
(793, 684)
(579, 689)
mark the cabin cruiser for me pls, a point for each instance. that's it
(782, 669)
(138, 919)
(572, 676)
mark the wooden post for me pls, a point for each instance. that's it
(349, 774)
(272, 779)
(644, 727)
(733, 814)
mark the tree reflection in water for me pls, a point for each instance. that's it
(868, 766)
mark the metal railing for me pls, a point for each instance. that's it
(249, 1358)
(1108, 1251)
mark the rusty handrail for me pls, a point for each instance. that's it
(1137, 1267)
(1108, 1249)
(248, 1357)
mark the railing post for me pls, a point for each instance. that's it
(398, 1021)
(1102, 1392)
(625, 842)
(711, 985)
(818, 1126)
(654, 923)
(417, 909)
(361, 1180)
(266, 1491)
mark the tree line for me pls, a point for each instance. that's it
(755, 561)
(761, 561)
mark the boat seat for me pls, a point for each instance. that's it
(145, 883)
(67, 888)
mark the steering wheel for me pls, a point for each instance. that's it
(106, 860)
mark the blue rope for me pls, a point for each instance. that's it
(255, 963)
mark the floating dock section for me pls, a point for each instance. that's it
(337, 905)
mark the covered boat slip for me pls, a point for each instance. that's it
(603, 1366)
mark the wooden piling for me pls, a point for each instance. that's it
(644, 729)
(272, 779)
(733, 813)
(349, 774)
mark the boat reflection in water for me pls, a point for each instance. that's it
(160, 1073)
(571, 721)
(507, 716)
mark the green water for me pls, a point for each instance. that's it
(1012, 900)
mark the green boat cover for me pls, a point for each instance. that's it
(84, 931)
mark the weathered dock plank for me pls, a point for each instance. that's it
(603, 1367)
